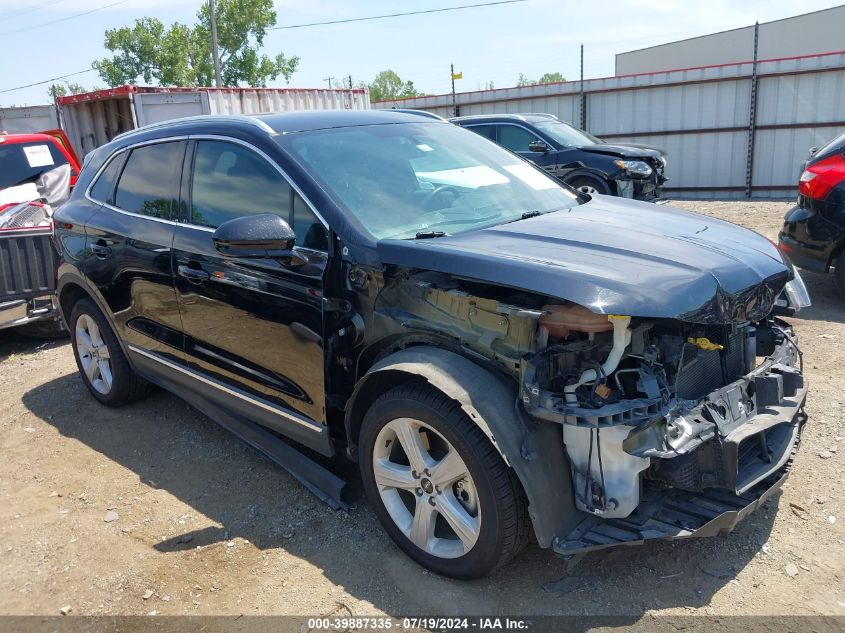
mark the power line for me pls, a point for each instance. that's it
(46, 81)
(41, 25)
(25, 10)
(395, 15)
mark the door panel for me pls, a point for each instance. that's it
(133, 274)
(253, 324)
(128, 248)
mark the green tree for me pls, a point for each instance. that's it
(68, 88)
(387, 85)
(547, 78)
(180, 55)
(551, 78)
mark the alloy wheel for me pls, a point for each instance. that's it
(94, 355)
(426, 488)
(588, 189)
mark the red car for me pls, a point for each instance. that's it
(24, 157)
(28, 258)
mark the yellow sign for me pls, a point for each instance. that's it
(457, 75)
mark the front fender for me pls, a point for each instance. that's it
(534, 449)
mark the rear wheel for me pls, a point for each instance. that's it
(100, 359)
(589, 185)
(839, 273)
(438, 486)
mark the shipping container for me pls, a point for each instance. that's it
(28, 119)
(94, 118)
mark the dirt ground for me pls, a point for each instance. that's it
(154, 509)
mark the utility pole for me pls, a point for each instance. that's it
(752, 117)
(583, 100)
(212, 12)
(329, 79)
(454, 100)
(350, 82)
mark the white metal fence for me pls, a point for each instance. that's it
(700, 116)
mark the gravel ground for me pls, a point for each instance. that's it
(154, 509)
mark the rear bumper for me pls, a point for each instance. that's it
(23, 311)
(809, 238)
(669, 513)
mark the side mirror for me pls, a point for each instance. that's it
(265, 235)
(539, 146)
(813, 151)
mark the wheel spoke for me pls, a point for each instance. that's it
(91, 370)
(105, 372)
(391, 475)
(422, 527)
(104, 353)
(94, 331)
(449, 469)
(408, 435)
(465, 526)
(83, 340)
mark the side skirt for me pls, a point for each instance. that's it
(323, 483)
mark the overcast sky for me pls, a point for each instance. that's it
(488, 44)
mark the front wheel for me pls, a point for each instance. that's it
(589, 185)
(439, 488)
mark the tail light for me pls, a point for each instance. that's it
(818, 179)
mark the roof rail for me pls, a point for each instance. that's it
(235, 118)
(425, 113)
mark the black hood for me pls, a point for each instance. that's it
(617, 257)
(623, 151)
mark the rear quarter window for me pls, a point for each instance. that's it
(104, 186)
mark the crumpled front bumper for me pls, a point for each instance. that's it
(670, 513)
(745, 436)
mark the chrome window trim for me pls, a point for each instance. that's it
(198, 137)
(237, 393)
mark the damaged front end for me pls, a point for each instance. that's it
(671, 428)
(668, 426)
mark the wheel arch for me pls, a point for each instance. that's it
(70, 289)
(533, 449)
(593, 174)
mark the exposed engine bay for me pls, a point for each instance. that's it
(639, 400)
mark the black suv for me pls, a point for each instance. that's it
(813, 234)
(501, 355)
(579, 159)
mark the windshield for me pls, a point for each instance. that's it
(21, 163)
(567, 135)
(401, 180)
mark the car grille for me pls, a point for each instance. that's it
(27, 266)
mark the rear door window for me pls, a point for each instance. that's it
(21, 163)
(149, 184)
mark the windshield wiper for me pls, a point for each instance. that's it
(531, 214)
(427, 235)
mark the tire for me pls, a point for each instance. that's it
(46, 329)
(101, 362)
(589, 185)
(488, 504)
(839, 273)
